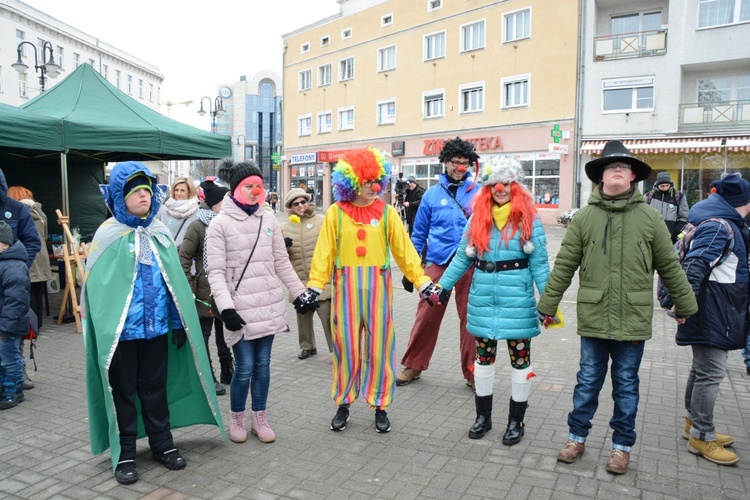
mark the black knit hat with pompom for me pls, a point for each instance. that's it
(234, 173)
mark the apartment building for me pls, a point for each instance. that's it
(69, 47)
(671, 78)
(406, 75)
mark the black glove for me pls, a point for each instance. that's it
(288, 241)
(306, 302)
(232, 320)
(408, 285)
(179, 337)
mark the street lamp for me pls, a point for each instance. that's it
(217, 111)
(241, 144)
(49, 68)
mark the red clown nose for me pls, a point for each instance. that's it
(375, 186)
(499, 187)
(255, 191)
(461, 168)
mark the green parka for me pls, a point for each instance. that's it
(617, 243)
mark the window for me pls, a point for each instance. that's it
(22, 88)
(628, 94)
(720, 12)
(433, 104)
(471, 98)
(346, 33)
(21, 37)
(324, 122)
(325, 40)
(434, 5)
(472, 36)
(434, 46)
(140, 88)
(105, 71)
(542, 176)
(346, 118)
(386, 112)
(117, 78)
(130, 84)
(515, 91)
(386, 20)
(305, 47)
(92, 63)
(151, 92)
(305, 125)
(305, 80)
(629, 25)
(60, 59)
(387, 58)
(517, 25)
(346, 69)
(76, 60)
(324, 75)
(724, 89)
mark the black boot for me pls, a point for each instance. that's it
(484, 417)
(514, 431)
(227, 370)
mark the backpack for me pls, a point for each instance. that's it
(682, 247)
(677, 198)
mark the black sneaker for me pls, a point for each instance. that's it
(342, 417)
(382, 424)
(171, 459)
(125, 472)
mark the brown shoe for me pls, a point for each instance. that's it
(571, 451)
(407, 375)
(618, 462)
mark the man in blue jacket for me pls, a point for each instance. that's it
(440, 220)
(18, 217)
(717, 268)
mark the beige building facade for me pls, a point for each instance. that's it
(406, 75)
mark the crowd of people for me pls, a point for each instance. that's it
(212, 258)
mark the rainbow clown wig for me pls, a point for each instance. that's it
(356, 167)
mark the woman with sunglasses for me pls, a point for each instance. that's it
(300, 235)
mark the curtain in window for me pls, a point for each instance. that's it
(716, 12)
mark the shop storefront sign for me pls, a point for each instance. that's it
(305, 158)
(330, 156)
(432, 147)
(558, 148)
(398, 148)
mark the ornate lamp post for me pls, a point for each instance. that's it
(49, 68)
(242, 144)
(215, 108)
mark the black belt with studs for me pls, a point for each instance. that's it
(489, 266)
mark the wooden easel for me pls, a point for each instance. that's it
(71, 254)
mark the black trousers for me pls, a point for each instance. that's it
(221, 345)
(37, 300)
(139, 367)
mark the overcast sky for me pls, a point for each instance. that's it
(195, 44)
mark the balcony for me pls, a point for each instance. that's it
(714, 115)
(629, 45)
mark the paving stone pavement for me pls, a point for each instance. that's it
(44, 446)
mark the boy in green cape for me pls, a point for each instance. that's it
(138, 315)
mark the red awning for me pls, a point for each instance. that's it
(666, 145)
(737, 144)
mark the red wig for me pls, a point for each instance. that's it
(522, 214)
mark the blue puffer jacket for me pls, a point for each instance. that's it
(14, 291)
(151, 306)
(440, 220)
(502, 304)
(722, 292)
(18, 216)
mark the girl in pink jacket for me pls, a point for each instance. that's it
(246, 258)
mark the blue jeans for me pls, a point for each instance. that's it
(11, 362)
(626, 360)
(746, 352)
(252, 372)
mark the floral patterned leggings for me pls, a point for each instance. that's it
(519, 351)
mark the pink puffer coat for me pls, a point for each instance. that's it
(260, 299)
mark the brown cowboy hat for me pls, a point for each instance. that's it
(615, 151)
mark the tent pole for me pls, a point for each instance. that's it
(64, 183)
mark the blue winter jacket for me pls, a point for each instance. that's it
(502, 304)
(440, 223)
(18, 216)
(14, 291)
(722, 292)
(151, 305)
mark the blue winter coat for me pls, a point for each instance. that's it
(18, 216)
(151, 306)
(722, 292)
(14, 291)
(440, 220)
(502, 304)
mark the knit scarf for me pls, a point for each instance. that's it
(248, 209)
(500, 215)
(181, 209)
(205, 216)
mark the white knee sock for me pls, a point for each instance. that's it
(520, 387)
(484, 377)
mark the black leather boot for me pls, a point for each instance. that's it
(514, 431)
(483, 422)
(227, 370)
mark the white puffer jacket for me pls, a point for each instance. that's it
(260, 299)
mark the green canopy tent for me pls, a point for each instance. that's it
(102, 124)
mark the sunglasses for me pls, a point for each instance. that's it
(298, 203)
